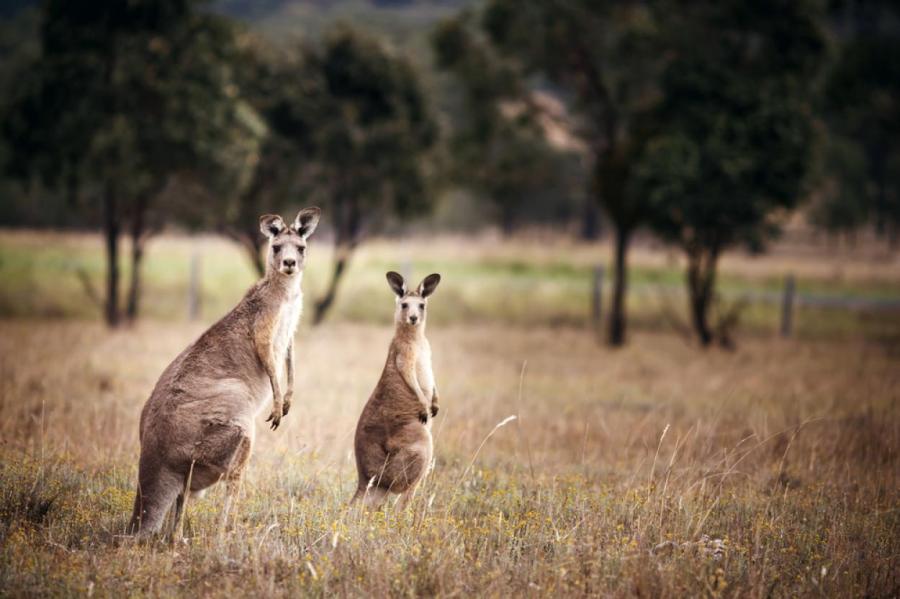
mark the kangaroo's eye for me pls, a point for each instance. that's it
(276, 248)
(404, 305)
(422, 306)
(301, 249)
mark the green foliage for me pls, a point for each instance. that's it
(498, 146)
(736, 132)
(374, 126)
(131, 93)
(601, 55)
(350, 128)
(862, 104)
(842, 203)
(353, 116)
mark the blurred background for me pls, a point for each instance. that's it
(703, 168)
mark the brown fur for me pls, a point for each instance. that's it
(203, 407)
(393, 436)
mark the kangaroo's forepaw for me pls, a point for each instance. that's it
(423, 416)
(275, 417)
(286, 404)
(434, 410)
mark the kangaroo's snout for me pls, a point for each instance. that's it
(413, 319)
(289, 266)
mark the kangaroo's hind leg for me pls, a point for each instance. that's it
(407, 496)
(234, 477)
(221, 455)
(158, 487)
(409, 465)
(370, 497)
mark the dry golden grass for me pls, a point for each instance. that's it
(787, 451)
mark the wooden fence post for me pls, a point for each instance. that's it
(194, 286)
(597, 298)
(787, 307)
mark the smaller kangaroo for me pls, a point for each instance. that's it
(393, 436)
(198, 424)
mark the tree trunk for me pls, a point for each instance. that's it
(323, 305)
(620, 283)
(346, 219)
(253, 246)
(250, 205)
(701, 285)
(111, 233)
(138, 239)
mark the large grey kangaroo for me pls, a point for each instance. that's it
(199, 421)
(393, 436)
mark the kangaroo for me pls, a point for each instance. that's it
(393, 436)
(198, 425)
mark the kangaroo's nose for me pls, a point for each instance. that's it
(289, 262)
(413, 319)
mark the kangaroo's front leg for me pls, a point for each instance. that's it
(434, 400)
(266, 352)
(406, 365)
(289, 366)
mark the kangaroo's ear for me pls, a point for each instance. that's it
(429, 284)
(271, 225)
(395, 280)
(306, 222)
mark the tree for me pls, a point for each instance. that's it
(371, 141)
(862, 102)
(498, 146)
(122, 96)
(349, 125)
(601, 56)
(286, 97)
(736, 131)
(841, 200)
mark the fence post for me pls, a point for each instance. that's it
(194, 286)
(597, 298)
(787, 307)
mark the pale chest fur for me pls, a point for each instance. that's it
(288, 317)
(424, 374)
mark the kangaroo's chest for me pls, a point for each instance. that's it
(288, 317)
(424, 373)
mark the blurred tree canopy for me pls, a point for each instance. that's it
(703, 122)
(841, 202)
(122, 97)
(735, 134)
(349, 128)
(498, 146)
(861, 105)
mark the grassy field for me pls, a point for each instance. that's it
(786, 451)
(656, 470)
